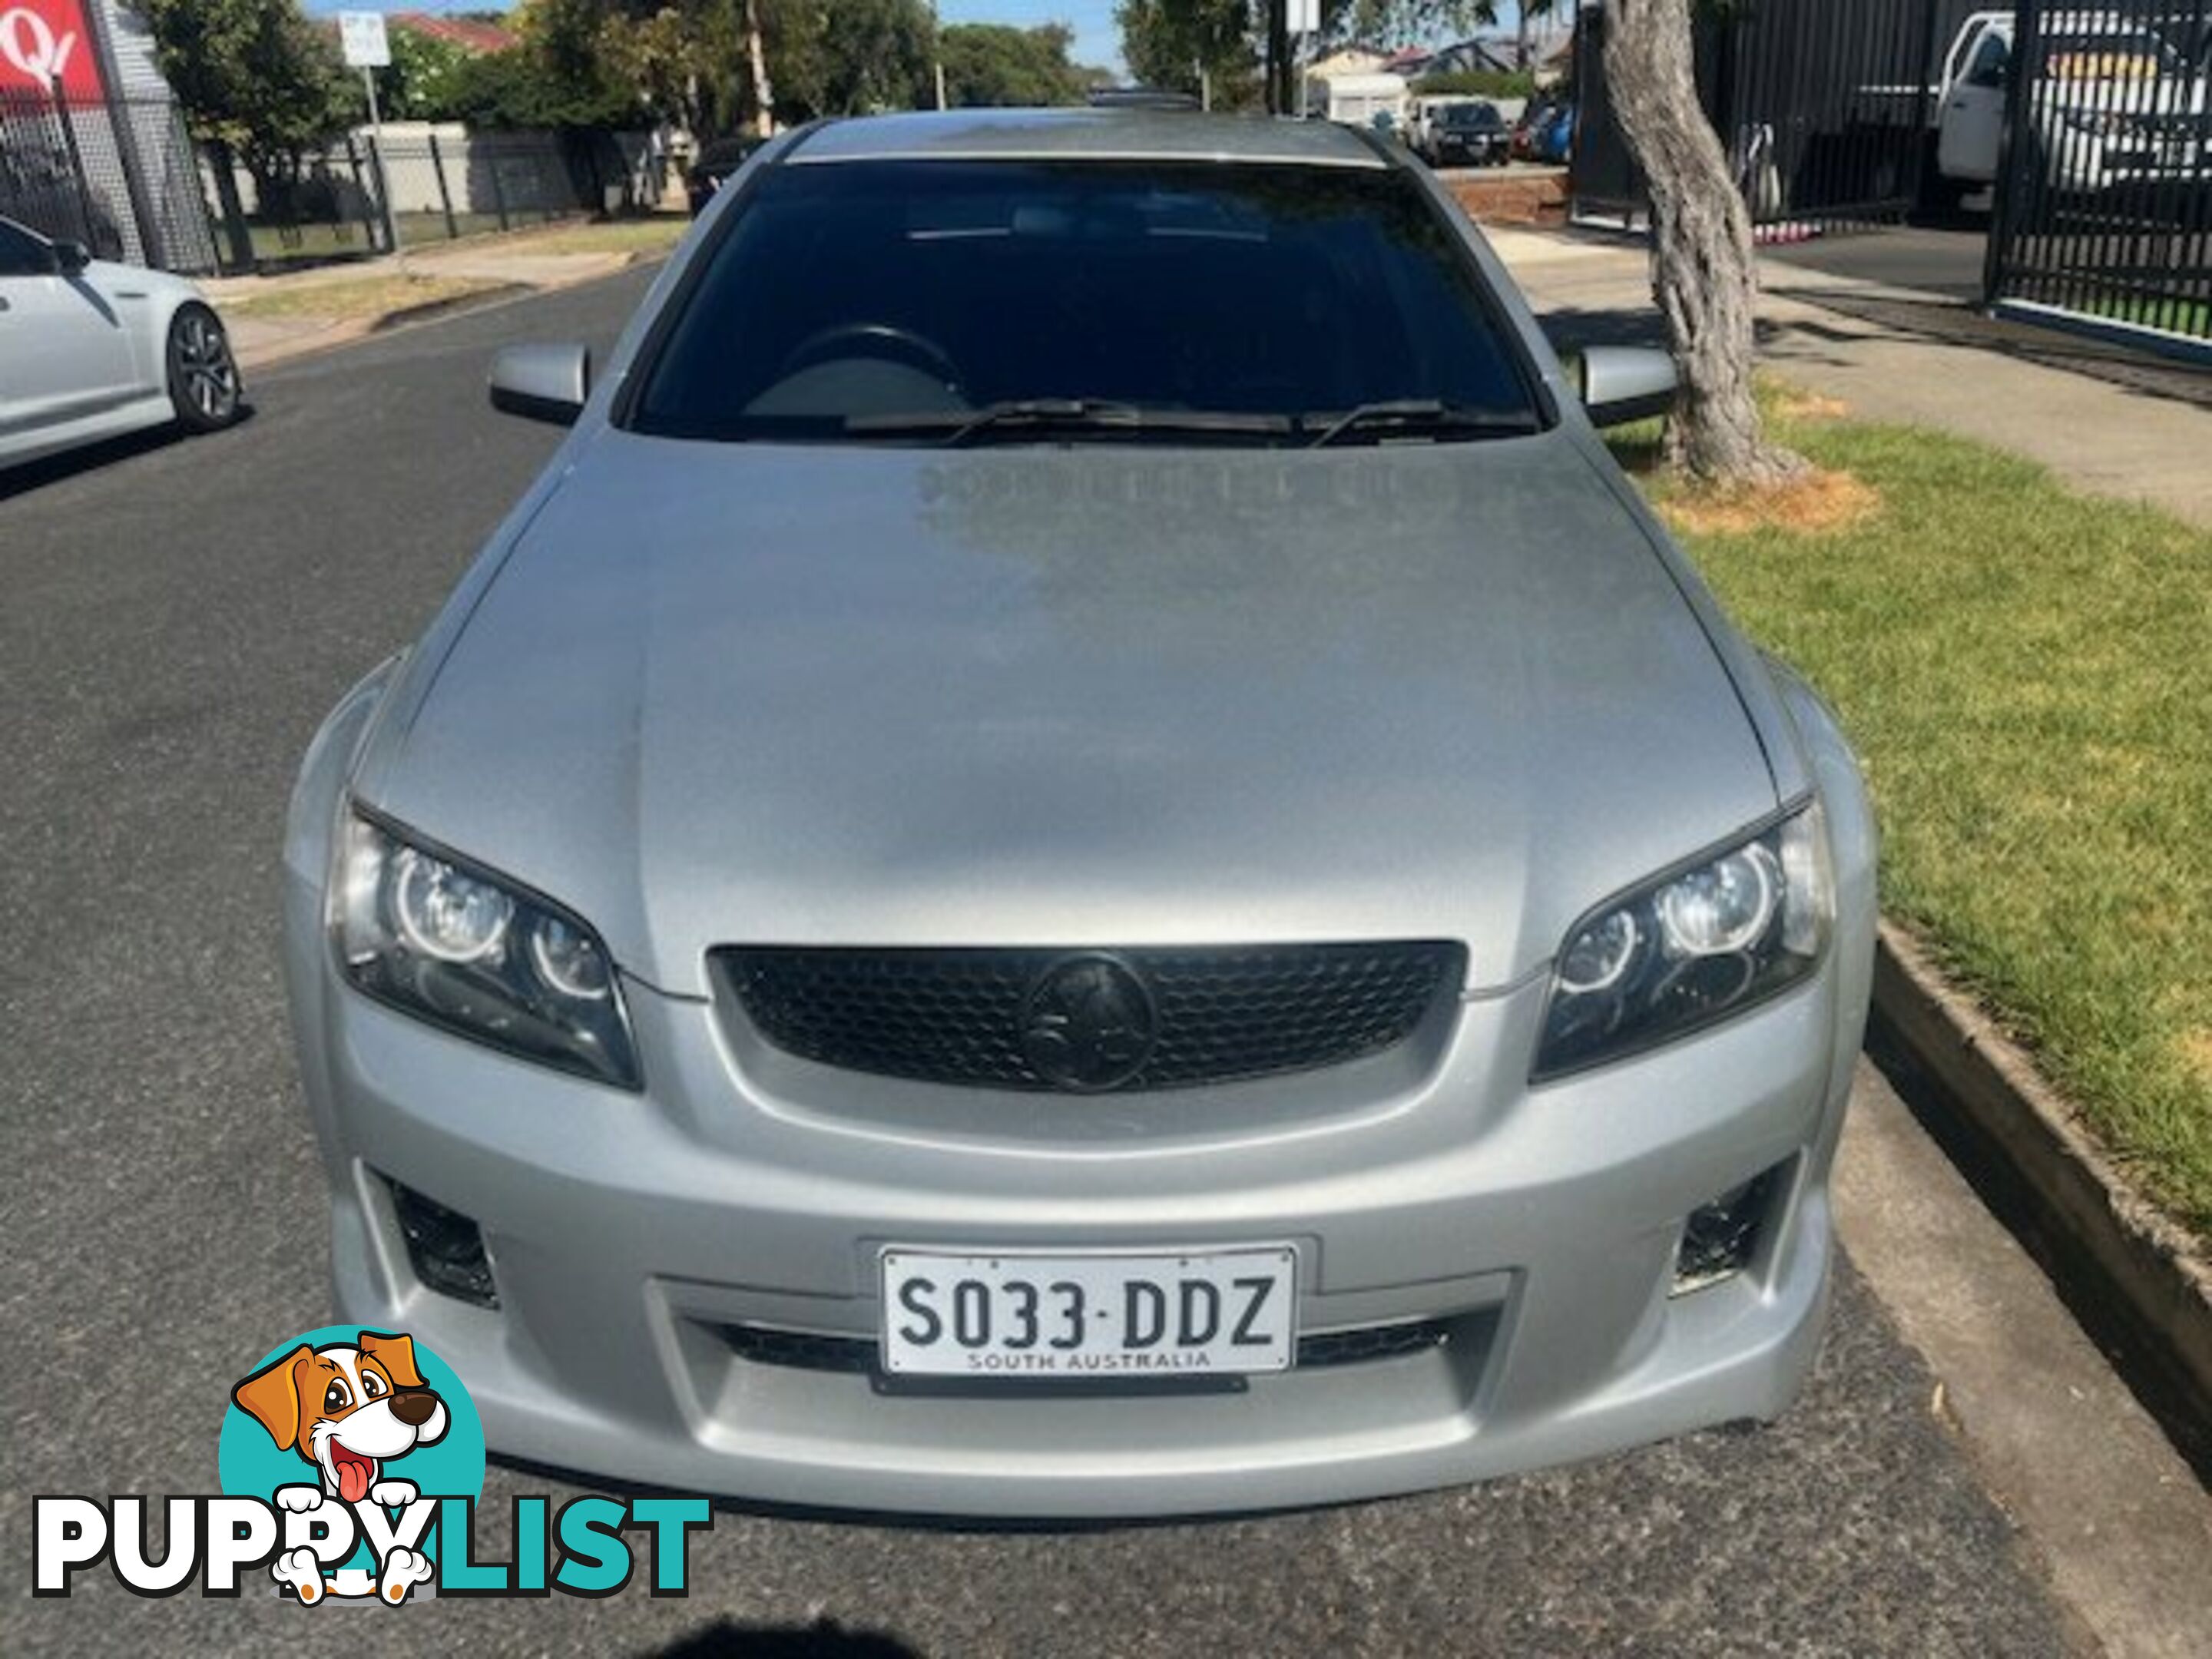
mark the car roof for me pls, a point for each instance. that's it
(1083, 135)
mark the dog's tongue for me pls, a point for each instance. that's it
(353, 1478)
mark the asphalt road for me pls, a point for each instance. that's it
(174, 619)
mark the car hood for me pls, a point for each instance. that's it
(724, 694)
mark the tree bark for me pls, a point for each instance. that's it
(757, 61)
(1703, 273)
(222, 162)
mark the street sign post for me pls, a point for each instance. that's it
(1301, 23)
(361, 34)
(367, 48)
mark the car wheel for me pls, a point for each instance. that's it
(203, 380)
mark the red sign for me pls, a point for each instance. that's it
(43, 41)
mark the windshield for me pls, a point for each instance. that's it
(1475, 115)
(883, 301)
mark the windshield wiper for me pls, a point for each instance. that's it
(1428, 417)
(1030, 415)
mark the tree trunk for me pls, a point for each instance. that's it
(222, 162)
(1703, 273)
(757, 58)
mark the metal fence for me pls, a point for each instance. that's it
(2103, 205)
(116, 174)
(122, 175)
(350, 199)
(1822, 105)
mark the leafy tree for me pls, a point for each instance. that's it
(518, 88)
(997, 65)
(257, 80)
(846, 57)
(418, 86)
(557, 77)
(1175, 44)
(566, 37)
(1530, 10)
(1403, 20)
(684, 60)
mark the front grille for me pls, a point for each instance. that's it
(763, 1345)
(1179, 1017)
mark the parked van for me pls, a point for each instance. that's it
(1357, 100)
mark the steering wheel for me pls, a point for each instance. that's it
(872, 340)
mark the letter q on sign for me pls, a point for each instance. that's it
(42, 44)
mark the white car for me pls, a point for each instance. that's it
(90, 349)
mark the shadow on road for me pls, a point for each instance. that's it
(725, 1639)
(1931, 321)
(91, 458)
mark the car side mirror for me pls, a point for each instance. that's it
(1622, 384)
(542, 382)
(72, 257)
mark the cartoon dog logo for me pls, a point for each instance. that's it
(350, 1411)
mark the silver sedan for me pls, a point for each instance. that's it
(1082, 856)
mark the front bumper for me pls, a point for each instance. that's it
(634, 1239)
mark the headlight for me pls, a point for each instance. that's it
(1691, 947)
(450, 943)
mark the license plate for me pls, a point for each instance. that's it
(1162, 1314)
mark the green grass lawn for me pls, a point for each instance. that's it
(2190, 317)
(2026, 674)
(355, 297)
(654, 235)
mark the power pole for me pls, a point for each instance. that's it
(937, 51)
(1278, 58)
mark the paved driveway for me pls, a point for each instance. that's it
(173, 621)
(1945, 259)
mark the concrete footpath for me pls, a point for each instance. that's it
(495, 267)
(2102, 437)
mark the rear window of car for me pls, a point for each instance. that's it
(848, 292)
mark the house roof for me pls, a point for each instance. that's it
(469, 34)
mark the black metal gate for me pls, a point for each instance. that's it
(1822, 105)
(43, 182)
(2103, 210)
(118, 174)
